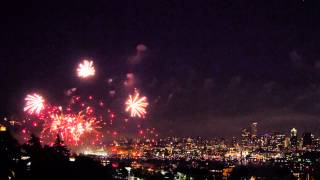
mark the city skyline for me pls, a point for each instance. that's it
(178, 157)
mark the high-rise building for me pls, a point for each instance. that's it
(293, 137)
(286, 142)
(307, 139)
(245, 134)
(293, 132)
(254, 129)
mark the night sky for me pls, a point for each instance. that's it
(208, 68)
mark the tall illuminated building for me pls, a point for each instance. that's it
(286, 142)
(293, 132)
(254, 129)
(245, 134)
(293, 137)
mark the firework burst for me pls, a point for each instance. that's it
(34, 104)
(84, 120)
(74, 129)
(136, 105)
(86, 69)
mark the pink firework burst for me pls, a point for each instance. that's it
(136, 105)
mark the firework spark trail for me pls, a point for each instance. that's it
(86, 69)
(136, 105)
(34, 104)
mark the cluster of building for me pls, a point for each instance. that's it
(277, 141)
(299, 154)
(249, 146)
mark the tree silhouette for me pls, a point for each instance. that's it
(47, 162)
(33, 147)
(60, 149)
(9, 155)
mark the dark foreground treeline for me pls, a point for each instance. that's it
(34, 161)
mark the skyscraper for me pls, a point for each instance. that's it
(245, 137)
(293, 132)
(254, 129)
(307, 139)
(293, 137)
